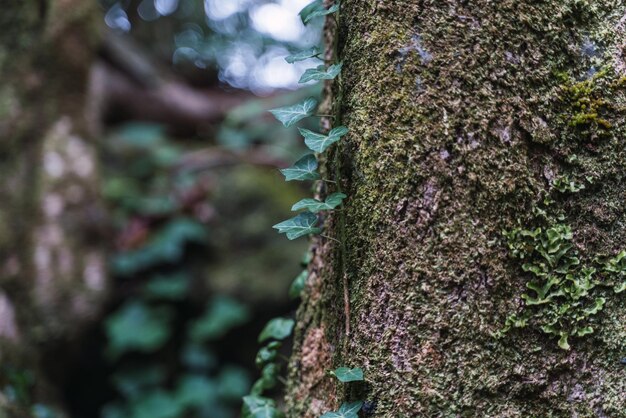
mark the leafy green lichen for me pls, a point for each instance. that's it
(565, 293)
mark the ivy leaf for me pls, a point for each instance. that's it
(268, 380)
(259, 407)
(321, 73)
(298, 285)
(303, 224)
(277, 329)
(347, 410)
(316, 9)
(303, 169)
(310, 8)
(290, 115)
(303, 55)
(319, 142)
(346, 374)
(315, 205)
(267, 354)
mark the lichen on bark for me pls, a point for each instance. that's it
(461, 115)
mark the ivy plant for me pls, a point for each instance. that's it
(303, 169)
(316, 9)
(303, 55)
(277, 329)
(346, 410)
(346, 374)
(320, 142)
(332, 201)
(299, 226)
(321, 73)
(304, 223)
(290, 115)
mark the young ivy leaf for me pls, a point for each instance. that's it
(277, 329)
(346, 374)
(259, 407)
(289, 115)
(318, 142)
(314, 205)
(303, 224)
(321, 73)
(316, 9)
(268, 379)
(303, 55)
(298, 285)
(303, 169)
(347, 410)
(310, 8)
(267, 354)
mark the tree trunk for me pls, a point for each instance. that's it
(52, 263)
(472, 124)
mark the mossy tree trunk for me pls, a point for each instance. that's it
(52, 264)
(471, 125)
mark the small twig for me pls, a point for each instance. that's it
(324, 116)
(330, 238)
(346, 304)
(329, 181)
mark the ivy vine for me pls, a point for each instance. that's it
(305, 223)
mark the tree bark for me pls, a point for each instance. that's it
(466, 119)
(51, 242)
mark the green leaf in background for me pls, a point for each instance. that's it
(133, 382)
(43, 411)
(173, 287)
(233, 383)
(290, 115)
(303, 55)
(347, 410)
(277, 329)
(156, 404)
(314, 205)
(298, 285)
(318, 142)
(321, 73)
(301, 225)
(136, 326)
(166, 246)
(267, 354)
(346, 374)
(259, 407)
(195, 390)
(222, 314)
(197, 357)
(303, 169)
(316, 9)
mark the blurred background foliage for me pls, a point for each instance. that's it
(197, 268)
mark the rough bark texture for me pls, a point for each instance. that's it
(464, 117)
(52, 268)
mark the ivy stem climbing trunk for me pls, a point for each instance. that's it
(470, 123)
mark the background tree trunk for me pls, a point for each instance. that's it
(464, 119)
(52, 265)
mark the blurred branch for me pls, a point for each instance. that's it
(213, 158)
(132, 87)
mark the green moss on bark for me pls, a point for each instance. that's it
(459, 125)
